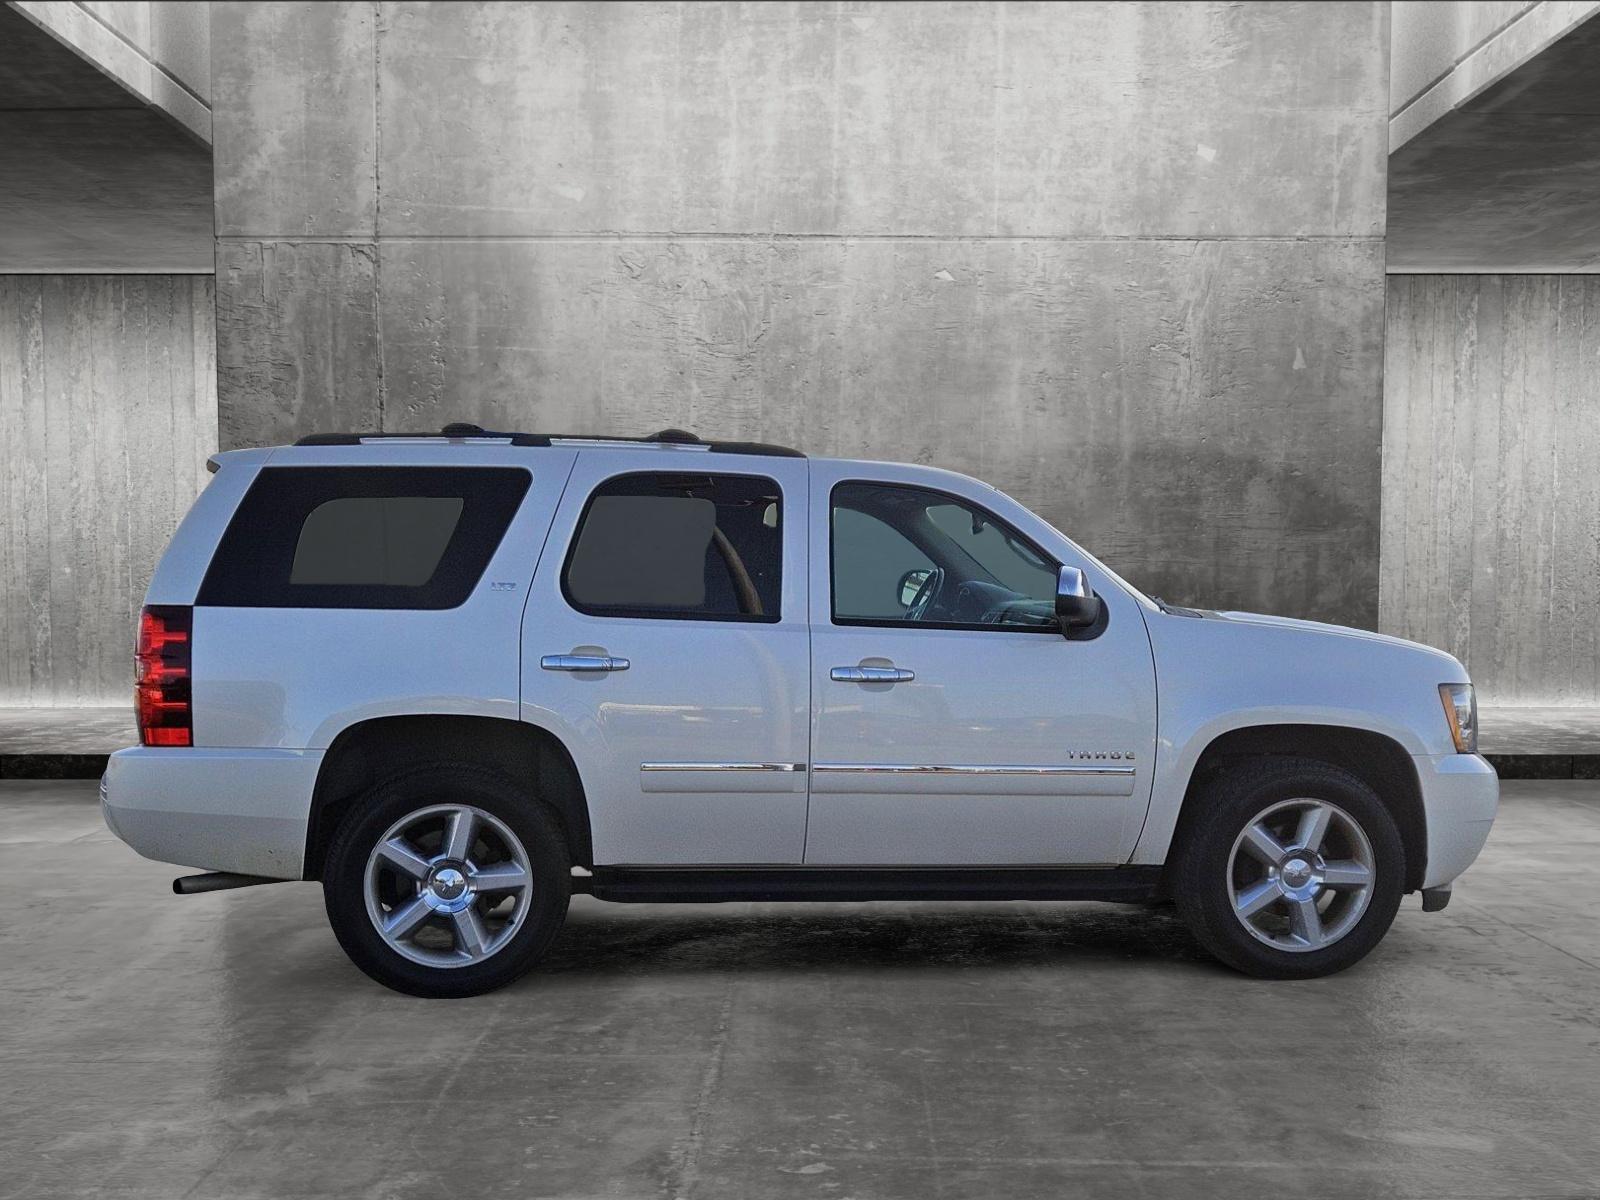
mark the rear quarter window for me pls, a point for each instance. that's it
(363, 537)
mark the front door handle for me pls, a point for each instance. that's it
(583, 662)
(872, 675)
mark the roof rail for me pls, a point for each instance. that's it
(462, 430)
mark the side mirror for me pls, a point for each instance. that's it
(911, 583)
(1077, 607)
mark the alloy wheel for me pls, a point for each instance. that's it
(1300, 875)
(447, 885)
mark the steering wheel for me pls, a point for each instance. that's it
(923, 600)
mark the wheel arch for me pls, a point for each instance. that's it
(368, 752)
(1376, 759)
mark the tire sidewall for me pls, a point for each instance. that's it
(1233, 801)
(344, 878)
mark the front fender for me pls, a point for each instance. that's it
(1218, 675)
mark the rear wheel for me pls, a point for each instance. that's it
(447, 881)
(1291, 868)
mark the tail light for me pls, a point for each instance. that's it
(161, 689)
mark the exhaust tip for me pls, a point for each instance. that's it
(217, 881)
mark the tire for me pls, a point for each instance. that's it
(455, 930)
(1223, 861)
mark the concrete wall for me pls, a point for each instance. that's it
(1491, 520)
(101, 192)
(108, 407)
(1495, 139)
(1445, 53)
(104, 161)
(1125, 261)
(158, 50)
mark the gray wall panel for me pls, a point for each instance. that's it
(298, 338)
(1491, 519)
(930, 118)
(108, 407)
(1123, 260)
(295, 153)
(1110, 386)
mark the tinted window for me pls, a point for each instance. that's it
(390, 540)
(672, 545)
(869, 560)
(363, 537)
(905, 556)
(992, 545)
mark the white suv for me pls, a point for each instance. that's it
(457, 678)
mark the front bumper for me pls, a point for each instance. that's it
(1460, 796)
(219, 810)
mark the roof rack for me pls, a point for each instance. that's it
(464, 431)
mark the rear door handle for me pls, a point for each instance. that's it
(583, 662)
(872, 675)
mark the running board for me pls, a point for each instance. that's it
(714, 885)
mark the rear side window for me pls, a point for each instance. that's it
(363, 537)
(704, 547)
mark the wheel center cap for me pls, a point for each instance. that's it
(447, 889)
(1296, 873)
(449, 883)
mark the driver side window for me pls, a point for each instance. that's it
(906, 556)
(870, 559)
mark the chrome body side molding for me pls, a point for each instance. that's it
(722, 777)
(721, 766)
(952, 769)
(977, 780)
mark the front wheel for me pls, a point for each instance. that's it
(1291, 868)
(447, 881)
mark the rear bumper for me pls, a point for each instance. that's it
(1460, 795)
(219, 810)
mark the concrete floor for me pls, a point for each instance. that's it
(221, 1045)
(41, 730)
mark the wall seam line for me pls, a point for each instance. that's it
(365, 239)
(377, 204)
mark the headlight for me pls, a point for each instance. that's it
(1461, 710)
